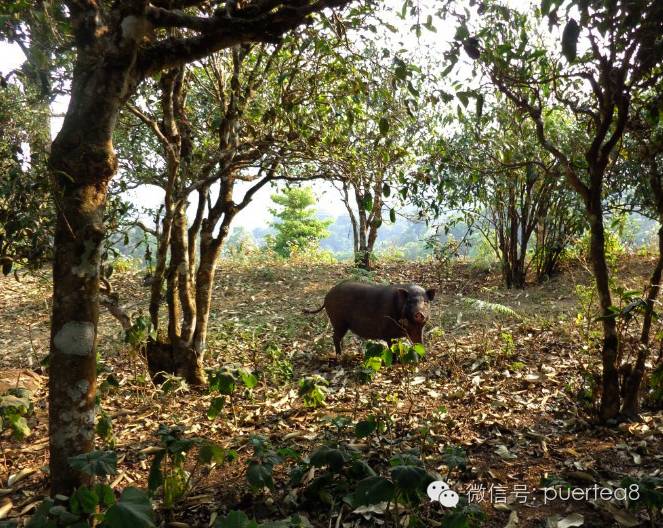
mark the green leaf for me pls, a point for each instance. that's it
(411, 481)
(19, 425)
(383, 124)
(95, 463)
(40, 517)
(570, 40)
(328, 456)
(386, 190)
(373, 490)
(392, 215)
(259, 475)
(462, 32)
(454, 457)
(215, 407)
(464, 98)
(365, 428)
(133, 509)
(225, 383)
(367, 202)
(84, 500)
(405, 459)
(105, 494)
(387, 356)
(20, 405)
(155, 477)
(419, 349)
(248, 378)
(480, 101)
(373, 363)
(211, 452)
(104, 428)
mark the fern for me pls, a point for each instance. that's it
(485, 306)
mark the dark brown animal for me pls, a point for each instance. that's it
(375, 311)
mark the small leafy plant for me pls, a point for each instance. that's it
(140, 331)
(168, 469)
(225, 382)
(313, 390)
(15, 405)
(649, 496)
(96, 505)
(260, 468)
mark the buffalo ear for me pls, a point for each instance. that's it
(430, 293)
(401, 295)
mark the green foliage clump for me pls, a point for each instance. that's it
(96, 504)
(15, 405)
(313, 391)
(225, 382)
(297, 227)
(168, 469)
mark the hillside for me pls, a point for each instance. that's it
(510, 391)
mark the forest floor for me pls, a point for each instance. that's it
(512, 391)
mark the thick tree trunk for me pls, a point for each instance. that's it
(179, 254)
(610, 399)
(82, 162)
(204, 287)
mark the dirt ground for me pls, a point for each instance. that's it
(504, 386)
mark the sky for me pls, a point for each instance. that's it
(257, 213)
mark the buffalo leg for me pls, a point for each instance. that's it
(339, 333)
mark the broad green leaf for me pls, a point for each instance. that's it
(134, 509)
(248, 378)
(365, 428)
(373, 490)
(19, 425)
(259, 475)
(84, 500)
(211, 452)
(328, 456)
(215, 407)
(95, 463)
(367, 202)
(454, 457)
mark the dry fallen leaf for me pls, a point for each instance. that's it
(513, 520)
(5, 509)
(504, 453)
(556, 521)
(17, 477)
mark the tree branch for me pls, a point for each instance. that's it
(263, 21)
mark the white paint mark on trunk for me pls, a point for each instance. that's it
(88, 265)
(75, 338)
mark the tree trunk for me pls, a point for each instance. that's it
(204, 287)
(82, 162)
(632, 383)
(362, 255)
(609, 409)
(179, 255)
